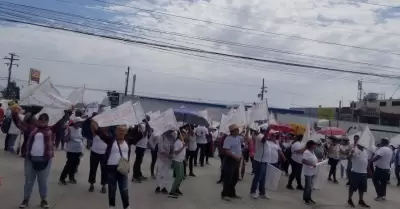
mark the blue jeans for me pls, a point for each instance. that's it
(116, 178)
(30, 178)
(308, 186)
(11, 141)
(260, 173)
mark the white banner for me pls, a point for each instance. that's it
(164, 122)
(258, 112)
(92, 108)
(140, 115)
(273, 177)
(367, 139)
(121, 115)
(76, 96)
(320, 176)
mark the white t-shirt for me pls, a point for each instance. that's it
(181, 156)
(272, 152)
(38, 145)
(192, 144)
(201, 133)
(386, 156)
(359, 161)
(310, 157)
(142, 143)
(297, 157)
(13, 128)
(115, 155)
(98, 145)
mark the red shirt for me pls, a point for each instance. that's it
(1, 114)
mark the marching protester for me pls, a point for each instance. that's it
(309, 161)
(260, 164)
(221, 155)
(201, 133)
(397, 164)
(344, 150)
(356, 138)
(74, 148)
(97, 157)
(153, 145)
(164, 159)
(332, 148)
(232, 150)
(191, 150)
(359, 175)
(275, 152)
(38, 153)
(297, 150)
(285, 147)
(381, 176)
(116, 157)
(177, 166)
(140, 150)
(13, 131)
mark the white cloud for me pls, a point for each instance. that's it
(344, 22)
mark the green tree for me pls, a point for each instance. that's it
(13, 91)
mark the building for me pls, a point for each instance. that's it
(215, 111)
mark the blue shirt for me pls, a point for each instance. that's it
(234, 144)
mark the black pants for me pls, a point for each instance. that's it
(296, 173)
(231, 177)
(332, 170)
(285, 167)
(60, 139)
(397, 173)
(71, 166)
(115, 179)
(153, 160)
(380, 179)
(202, 149)
(6, 142)
(190, 160)
(137, 172)
(221, 177)
(95, 160)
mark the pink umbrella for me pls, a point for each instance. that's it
(332, 131)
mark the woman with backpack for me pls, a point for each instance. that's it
(38, 153)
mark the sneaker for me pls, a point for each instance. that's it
(300, 188)
(44, 204)
(142, 178)
(335, 182)
(254, 195)
(351, 203)
(158, 190)
(178, 192)
(192, 175)
(378, 198)
(62, 182)
(136, 180)
(263, 196)
(153, 176)
(173, 195)
(289, 187)
(306, 201)
(72, 181)
(312, 201)
(103, 190)
(164, 191)
(91, 188)
(24, 204)
(363, 204)
(226, 198)
(384, 198)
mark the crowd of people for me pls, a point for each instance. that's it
(179, 148)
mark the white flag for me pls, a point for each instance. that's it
(164, 122)
(122, 115)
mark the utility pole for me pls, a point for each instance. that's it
(263, 90)
(360, 90)
(10, 64)
(127, 81)
(133, 84)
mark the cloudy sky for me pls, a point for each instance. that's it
(356, 35)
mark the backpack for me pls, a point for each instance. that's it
(5, 127)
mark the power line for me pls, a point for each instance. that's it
(249, 29)
(202, 38)
(203, 51)
(375, 4)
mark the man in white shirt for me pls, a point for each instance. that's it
(140, 150)
(358, 175)
(177, 166)
(381, 175)
(201, 133)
